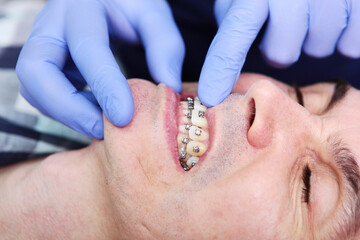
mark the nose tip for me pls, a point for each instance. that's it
(268, 99)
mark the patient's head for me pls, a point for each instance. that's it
(274, 169)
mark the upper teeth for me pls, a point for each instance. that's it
(191, 132)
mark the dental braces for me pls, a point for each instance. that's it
(185, 140)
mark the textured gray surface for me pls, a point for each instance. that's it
(23, 129)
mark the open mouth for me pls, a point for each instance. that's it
(193, 135)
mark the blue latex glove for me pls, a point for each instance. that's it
(81, 28)
(317, 27)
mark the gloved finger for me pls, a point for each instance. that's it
(285, 32)
(321, 39)
(220, 9)
(349, 43)
(164, 46)
(88, 41)
(89, 96)
(227, 52)
(119, 24)
(72, 73)
(38, 69)
(26, 95)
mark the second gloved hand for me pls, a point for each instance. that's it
(317, 27)
(81, 29)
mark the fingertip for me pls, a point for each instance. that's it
(97, 130)
(220, 9)
(119, 111)
(352, 52)
(164, 48)
(176, 86)
(173, 82)
(279, 59)
(165, 63)
(208, 98)
(216, 84)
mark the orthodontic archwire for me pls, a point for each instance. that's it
(185, 140)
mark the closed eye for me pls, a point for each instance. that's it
(307, 186)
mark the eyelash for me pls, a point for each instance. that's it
(307, 187)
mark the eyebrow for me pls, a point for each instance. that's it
(347, 164)
(341, 88)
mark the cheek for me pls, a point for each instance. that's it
(242, 205)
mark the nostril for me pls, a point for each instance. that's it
(252, 111)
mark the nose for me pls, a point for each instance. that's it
(276, 114)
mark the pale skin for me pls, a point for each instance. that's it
(247, 186)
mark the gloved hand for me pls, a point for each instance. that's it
(316, 26)
(81, 28)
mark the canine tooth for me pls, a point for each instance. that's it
(198, 118)
(198, 134)
(192, 161)
(198, 146)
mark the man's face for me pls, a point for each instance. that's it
(274, 169)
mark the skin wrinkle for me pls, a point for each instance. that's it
(254, 193)
(339, 93)
(143, 170)
(344, 158)
(105, 178)
(293, 203)
(350, 169)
